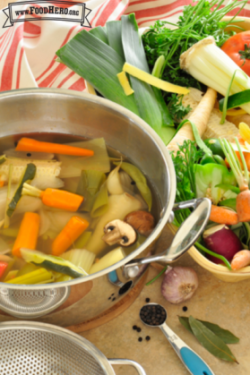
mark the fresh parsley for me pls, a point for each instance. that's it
(177, 109)
(196, 23)
(183, 161)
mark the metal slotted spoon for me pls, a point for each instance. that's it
(32, 348)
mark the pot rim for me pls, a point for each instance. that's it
(163, 151)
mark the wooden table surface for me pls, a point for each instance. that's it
(222, 303)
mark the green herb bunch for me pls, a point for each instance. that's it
(196, 23)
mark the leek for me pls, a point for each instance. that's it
(72, 166)
(150, 108)
(100, 205)
(167, 119)
(100, 33)
(92, 58)
(139, 180)
(99, 64)
(114, 33)
(82, 240)
(210, 65)
(89, 185)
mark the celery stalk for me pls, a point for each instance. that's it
(210, 65)
(39, 276)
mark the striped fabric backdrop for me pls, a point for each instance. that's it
(27, 50)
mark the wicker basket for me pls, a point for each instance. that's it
(220, 271)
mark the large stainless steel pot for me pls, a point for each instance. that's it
(63, 112)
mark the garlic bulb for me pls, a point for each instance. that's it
(179, 284)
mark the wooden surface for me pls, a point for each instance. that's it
(222, 303)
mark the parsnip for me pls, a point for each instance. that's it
(119, 207)
(199, 117)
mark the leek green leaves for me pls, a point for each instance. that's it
(99, 55)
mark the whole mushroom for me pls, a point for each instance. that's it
(117, 231)
(142, 221)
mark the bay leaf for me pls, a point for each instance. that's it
(225, 335)
(210, 341)
(184, 321)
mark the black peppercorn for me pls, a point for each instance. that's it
(147, 338)
(138, 329)
(134, 328)
(140, 339)
(153, 315)
(184, 308)
(147, 300)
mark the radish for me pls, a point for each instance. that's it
(222, 240)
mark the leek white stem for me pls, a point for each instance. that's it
(210, 65)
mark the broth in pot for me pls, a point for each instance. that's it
(68, 209)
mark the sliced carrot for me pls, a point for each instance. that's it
(243, 205)
(27, 234)
(72, 230)
(240, 260)
(31, 145)
(61, 199)
(222, 215)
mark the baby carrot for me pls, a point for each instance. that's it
(31, 145)
(72, 230)
(222, 215)
(61, 199)
(54, 197)
(27, 234)
(243, 205)
(240, 260)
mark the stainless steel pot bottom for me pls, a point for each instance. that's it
(42, 349)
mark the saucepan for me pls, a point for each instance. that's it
(63, 114)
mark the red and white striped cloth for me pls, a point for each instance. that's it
(27, 49)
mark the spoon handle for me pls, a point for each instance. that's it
(193, 363)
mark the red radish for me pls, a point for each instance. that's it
(222, 240)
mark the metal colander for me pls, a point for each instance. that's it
(32, 348)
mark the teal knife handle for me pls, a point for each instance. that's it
(194, 363)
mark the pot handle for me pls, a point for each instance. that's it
(186, 236)
(121, 361)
